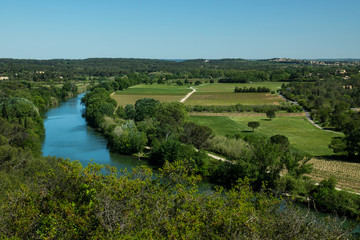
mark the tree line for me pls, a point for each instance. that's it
(252, 89)
(227, 70)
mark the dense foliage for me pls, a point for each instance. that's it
(50, 198)
(66, 201)
(21, 126)
(329, 101)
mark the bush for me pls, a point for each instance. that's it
(173, 150)
(281, 140)
(127, 139)
(229, 147)
(195, 134)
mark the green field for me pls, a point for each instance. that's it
(163, 93)
(229, 87)
(301, 134)
(223, 94)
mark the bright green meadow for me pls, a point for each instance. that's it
(300, 132)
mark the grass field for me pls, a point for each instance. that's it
(301, 134)
(163, 93)
(223, 94)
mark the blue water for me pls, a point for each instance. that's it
(68, 136)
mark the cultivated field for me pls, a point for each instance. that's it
(229, 87)
(223, 94)
(301, 134)
(346, 173)
(163, 93)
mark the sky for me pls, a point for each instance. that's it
(173, 29)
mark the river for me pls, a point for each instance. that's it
(67, 135)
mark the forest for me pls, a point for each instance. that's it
(52, 198)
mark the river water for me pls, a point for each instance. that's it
(68, 136)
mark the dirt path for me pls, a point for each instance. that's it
(188, 95)
(217, 158)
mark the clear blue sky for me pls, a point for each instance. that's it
(173, 29)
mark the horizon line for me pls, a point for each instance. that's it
(185, 59)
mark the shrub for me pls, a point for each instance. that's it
(231, 148)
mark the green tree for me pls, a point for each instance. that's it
(179, 82)
(145, 108)
(120, 112)
(123, 83)
(281, 140)
(349, 144)
(338, 145)
(352, 140)
(19, 108)
(253, 125)
(171, 116)
(130, 111)
(196, 135)
(172, 150)
(270, 114)
(70, 87)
